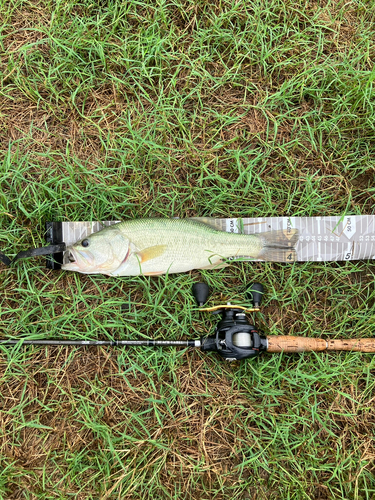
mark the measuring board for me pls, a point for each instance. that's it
(351, 237)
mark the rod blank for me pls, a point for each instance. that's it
(148, 343)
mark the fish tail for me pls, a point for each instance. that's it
(279, 246)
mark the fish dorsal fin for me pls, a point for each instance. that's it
(151, 252)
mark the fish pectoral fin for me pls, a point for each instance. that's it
(154, 273)
(151, 253)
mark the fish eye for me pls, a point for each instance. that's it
(85, 243)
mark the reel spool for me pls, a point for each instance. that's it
(234, 338)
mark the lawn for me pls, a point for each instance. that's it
(122, 109)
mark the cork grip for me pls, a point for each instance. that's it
(288, 343)
(360, 345)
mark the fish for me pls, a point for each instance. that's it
(157, 246)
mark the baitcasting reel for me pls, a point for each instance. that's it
(234, 338)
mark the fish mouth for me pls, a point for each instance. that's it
(70, 260)
(78, 260)
(69, 257)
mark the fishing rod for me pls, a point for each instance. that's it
(235, 338)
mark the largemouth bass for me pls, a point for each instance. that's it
(159, 246)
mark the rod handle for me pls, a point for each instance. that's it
(359, 345)
(288, 343)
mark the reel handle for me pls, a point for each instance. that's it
(255, 294)
(201, 293)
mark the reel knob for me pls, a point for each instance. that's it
(200, 292)
(255, 293)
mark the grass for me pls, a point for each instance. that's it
(117, 110)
